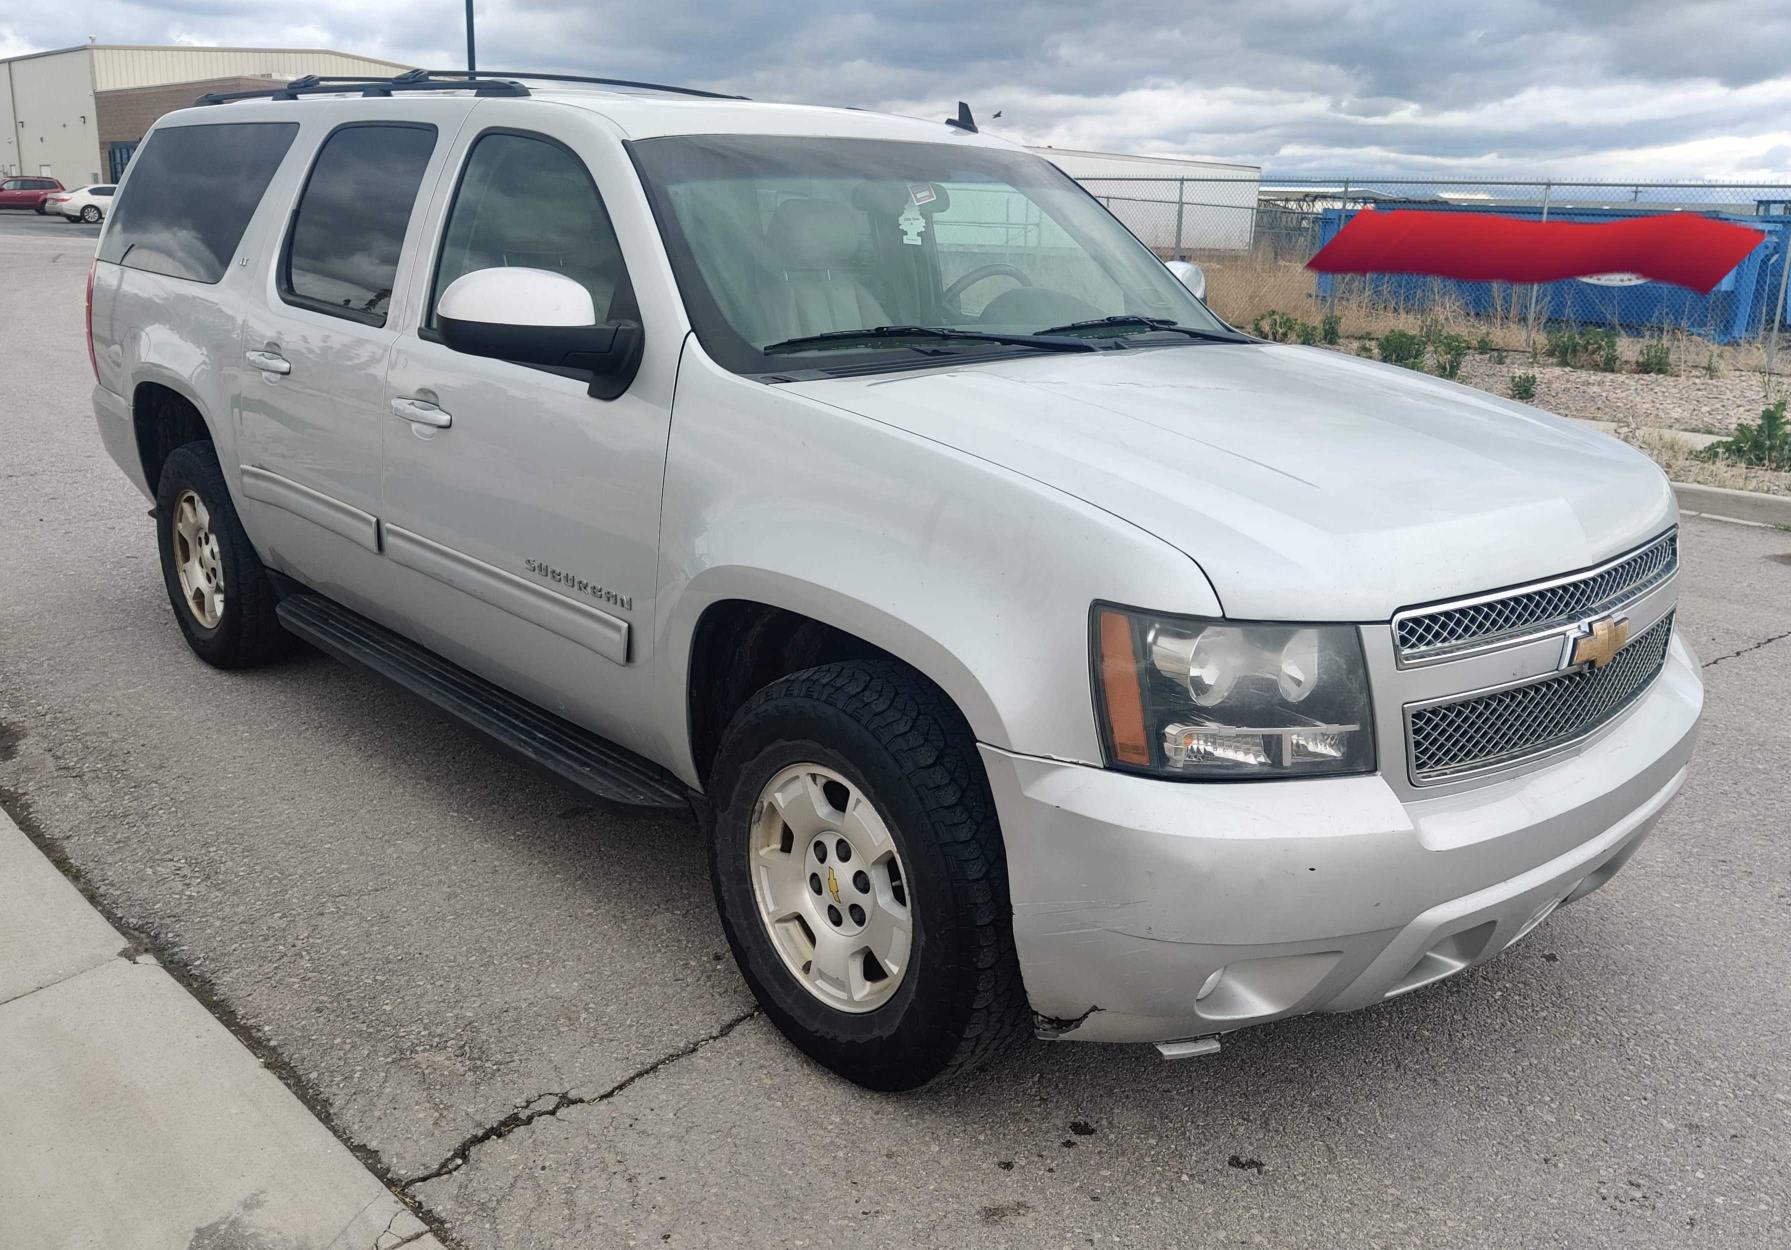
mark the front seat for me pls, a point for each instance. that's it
(813, 243)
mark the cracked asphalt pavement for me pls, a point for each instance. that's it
(519, 1009)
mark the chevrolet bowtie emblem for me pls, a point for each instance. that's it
(833, 885)
(1600, 642)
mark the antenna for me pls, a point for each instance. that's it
(963, 121)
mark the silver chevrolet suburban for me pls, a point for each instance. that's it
(1039, 653)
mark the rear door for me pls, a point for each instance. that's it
(315, 347)
(13, 193)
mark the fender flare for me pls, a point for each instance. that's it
(784, 591)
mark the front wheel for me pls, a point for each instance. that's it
(859, 870)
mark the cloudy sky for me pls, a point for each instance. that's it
(1589, 88)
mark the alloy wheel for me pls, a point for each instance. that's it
(830, 888)
(196, 559)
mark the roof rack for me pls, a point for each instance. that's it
(344, 84)
(479, 82)
(601, 82)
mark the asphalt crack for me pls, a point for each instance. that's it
(1764, 642)
(530, 1111)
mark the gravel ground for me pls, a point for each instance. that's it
(1683, 401)
(1643, 405)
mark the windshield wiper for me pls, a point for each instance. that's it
(841, 338)
(1147, 323)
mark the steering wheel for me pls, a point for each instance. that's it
(952, 293)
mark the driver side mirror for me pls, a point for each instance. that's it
(538, 317)
(1191, 276)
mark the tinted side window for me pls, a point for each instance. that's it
(348, 230)
(191, 193)
(103, 191)
(530, 202)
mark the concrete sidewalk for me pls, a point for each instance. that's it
(130, 1119)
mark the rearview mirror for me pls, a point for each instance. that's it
(537, 317)
(1191, 276)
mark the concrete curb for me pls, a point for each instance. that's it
(129, 1116)
(1734, 505)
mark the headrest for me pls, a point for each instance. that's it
(812, 234)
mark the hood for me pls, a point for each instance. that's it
(1307, 484)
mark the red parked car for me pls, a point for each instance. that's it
(27, 191)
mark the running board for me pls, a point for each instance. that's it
(593, 764)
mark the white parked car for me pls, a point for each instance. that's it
(1040, 653)
(89, 203)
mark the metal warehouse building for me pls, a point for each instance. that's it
(1175, 204)
(77, 114)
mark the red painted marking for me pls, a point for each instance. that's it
(1682, 248)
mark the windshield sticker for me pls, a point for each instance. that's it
(922, 192)
(912, 224)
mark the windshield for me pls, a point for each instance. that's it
(776, 240)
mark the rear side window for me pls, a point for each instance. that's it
(348, 230)
(101, 191)
(191, 193)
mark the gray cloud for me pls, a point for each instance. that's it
(1619, 88)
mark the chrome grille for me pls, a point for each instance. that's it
(1449, 739)
(1436, 633)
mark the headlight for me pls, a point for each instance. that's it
(1183, 697)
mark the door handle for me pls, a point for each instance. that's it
(421, 412)
(268, 362)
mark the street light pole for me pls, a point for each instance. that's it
(471, 61)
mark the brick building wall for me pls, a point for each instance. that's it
(125, 116)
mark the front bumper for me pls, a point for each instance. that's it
(1149, 910)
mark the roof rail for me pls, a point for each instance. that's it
(345, 84)
(601, 82)
(479, 82)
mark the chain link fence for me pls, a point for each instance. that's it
(1254, 239)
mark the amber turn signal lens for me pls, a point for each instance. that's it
(1119, 688)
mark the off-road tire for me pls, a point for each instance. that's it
(247, 632)
(896, 738)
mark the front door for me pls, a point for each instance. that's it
(316, 343)
(521, 513)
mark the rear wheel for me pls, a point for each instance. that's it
(859, 870)
(90, 214)
(222, 596)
